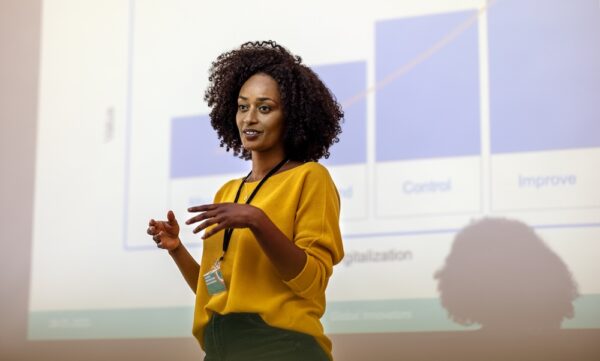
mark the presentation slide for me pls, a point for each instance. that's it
(468, 167)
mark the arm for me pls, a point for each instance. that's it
(166, 236)
(187, 265)
(304, 263)
(316, 231)
(287, 258)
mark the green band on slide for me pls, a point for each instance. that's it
(341, 317)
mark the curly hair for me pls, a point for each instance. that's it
(311, 113)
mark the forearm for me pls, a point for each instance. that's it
(288, 259)
(187, 265)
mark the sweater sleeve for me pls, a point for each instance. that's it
(317, 232)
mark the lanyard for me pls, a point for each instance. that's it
(229, 231)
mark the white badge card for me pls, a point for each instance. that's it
(214, 280)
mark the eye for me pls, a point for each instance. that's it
(242, 107)
(264, 108)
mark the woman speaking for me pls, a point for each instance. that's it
(272, 237)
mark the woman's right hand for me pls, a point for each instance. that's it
(165, 233)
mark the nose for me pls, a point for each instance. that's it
(250, 116)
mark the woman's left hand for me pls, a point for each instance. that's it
(224, 215)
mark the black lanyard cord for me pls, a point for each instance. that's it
(229, 231)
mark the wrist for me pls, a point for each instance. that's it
(256, 217)
(173, 251)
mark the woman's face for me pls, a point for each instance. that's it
(259, 115)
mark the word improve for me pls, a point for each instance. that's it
(546, 181)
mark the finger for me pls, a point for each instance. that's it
(203, 208)
(206, 223)
(200, 217)
(160, 245)
(171, 228)
(171, 218)
(152, 222)
(158, 237)
(219, 227)
(151, 231)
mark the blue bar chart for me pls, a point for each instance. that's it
(348, 157)
(346, 80)
(433, 110)
(544, 94)
(427, 121)
(555, 106)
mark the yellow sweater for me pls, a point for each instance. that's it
(304, 204)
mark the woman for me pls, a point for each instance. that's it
(271, 238)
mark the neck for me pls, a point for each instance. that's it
(263, 163)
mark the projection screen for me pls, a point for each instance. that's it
(468, 166)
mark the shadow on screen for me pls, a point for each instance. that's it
(501, 275)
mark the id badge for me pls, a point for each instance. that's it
(214, 280)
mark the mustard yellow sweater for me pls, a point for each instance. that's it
(304, 204)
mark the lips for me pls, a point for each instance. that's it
(251, 134)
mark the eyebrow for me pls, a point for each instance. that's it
(259, 99)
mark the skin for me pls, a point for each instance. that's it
(260, 121)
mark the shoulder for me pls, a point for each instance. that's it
(319, 175)
(314, 170)
(232, 183)
(316, 176)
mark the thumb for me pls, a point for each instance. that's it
(171, 218)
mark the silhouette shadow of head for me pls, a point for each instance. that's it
(500, 274)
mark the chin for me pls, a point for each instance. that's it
(249, 147)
